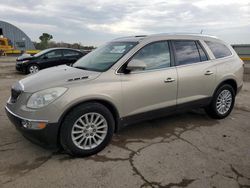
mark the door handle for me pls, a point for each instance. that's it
(169, 80)
(208, 72)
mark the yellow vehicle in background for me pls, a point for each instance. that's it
(4, 46)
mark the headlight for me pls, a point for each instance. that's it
(44, 97)
(25, 61)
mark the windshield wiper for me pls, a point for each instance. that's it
(89, 69)
(79, 67)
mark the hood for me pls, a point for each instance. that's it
(57, 76)
(25, 57)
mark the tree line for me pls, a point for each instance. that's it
(45, 42)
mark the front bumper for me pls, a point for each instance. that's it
(46, 137)
(20, 67)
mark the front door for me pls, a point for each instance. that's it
(153, 88)
(51, 59)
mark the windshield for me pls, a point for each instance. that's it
(42, 52)
(104, 57)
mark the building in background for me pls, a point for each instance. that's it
(243, 50)
(16, 37)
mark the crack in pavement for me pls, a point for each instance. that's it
(242, 108)
(190, 143)
(184, 183)
(8, 149)
(10, 143)
(103, 158)
(97, 158)
(239, 175)
(23, 168)
(138, 173)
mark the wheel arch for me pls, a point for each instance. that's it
(111, 107)
(229, 81)
(30, 64)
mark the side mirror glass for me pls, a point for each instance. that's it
(136, 65)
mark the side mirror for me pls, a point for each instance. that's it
(136, 65)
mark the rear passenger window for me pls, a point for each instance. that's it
(186, 52)
(54, 54)
(219, 50)
(68, 53)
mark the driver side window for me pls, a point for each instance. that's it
(155, 55)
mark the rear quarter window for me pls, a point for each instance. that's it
(219, 50)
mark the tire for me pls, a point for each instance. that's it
(33, 68)
(219, 109)
(72, 125)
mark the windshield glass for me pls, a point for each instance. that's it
(104, 57)
(42, 52)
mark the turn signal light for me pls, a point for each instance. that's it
(33, 125)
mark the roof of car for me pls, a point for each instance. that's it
(139, 38)
(63, 48)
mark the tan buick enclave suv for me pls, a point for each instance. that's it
(127, 80)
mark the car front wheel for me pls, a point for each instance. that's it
(222, 102)
(87, 129)
(33, 69)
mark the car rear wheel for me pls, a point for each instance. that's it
(33, 69)
(222, 102)
(87, 129)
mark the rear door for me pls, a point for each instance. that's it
(70, 56)
(153, 88)
(196, 73)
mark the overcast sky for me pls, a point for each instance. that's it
(95, 22)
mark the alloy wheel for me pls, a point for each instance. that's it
(33, 69)
(224, 102)
(89, 131)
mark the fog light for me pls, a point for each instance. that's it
(26, 123)
(33, 125)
